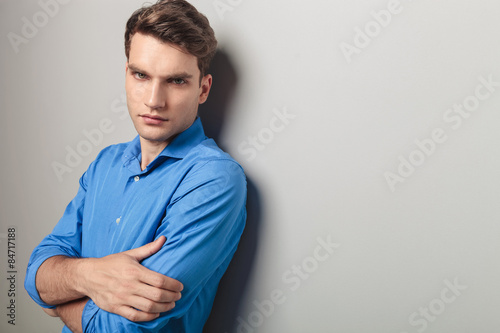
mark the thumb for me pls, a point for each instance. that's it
(147, 250)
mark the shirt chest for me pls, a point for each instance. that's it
(123, 210)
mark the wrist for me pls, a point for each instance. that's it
(83, 275)
(58, 280)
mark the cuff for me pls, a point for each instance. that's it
(89, 312)
(30, 280)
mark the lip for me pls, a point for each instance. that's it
(152, 119)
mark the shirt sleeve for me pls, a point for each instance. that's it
(203, 224)
(64, 240)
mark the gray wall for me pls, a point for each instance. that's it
(388, 151)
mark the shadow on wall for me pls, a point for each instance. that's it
(232, 287)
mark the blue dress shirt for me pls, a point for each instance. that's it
(192, 193)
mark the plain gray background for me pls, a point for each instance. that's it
(322, 174)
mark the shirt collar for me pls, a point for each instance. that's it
(178, 148)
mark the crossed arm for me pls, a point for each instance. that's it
(204, 222)
(117, 283)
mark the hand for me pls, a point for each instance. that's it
(118, 283)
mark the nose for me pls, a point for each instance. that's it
(155, 98)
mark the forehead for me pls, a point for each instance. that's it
(158, 57)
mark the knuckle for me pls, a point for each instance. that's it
(126, 286)
(156, 295)
(158, 281)
(149, 306)
(117, 299)
(133, 316)
(130, 271)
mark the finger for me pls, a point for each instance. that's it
(146, 305)
(147, 250)
(160, 281)
(157, 294)
(136, 315)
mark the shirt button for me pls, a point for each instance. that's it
(136, 178)
(117, 220)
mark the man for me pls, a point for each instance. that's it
(156, 221)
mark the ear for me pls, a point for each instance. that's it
(126, 67)
(206, 84)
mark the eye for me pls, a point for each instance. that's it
(139, 76)
(178, 81)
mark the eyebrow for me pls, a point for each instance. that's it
(180, 75)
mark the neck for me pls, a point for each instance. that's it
(150, 150)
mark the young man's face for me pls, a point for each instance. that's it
(163, 89)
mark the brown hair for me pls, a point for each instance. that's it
(176, 22)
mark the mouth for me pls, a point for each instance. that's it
(152, 119)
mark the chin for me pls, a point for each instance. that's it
(153, 134)
(157, 138)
